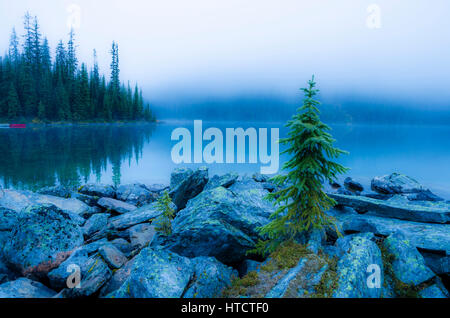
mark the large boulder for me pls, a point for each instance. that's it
(141, 235)
(41, 240)
(98, 190)
(116, 205)
(397, 207)
(95, 223)
(408, 264)
(143, 214)
(210, 278)
(185, 184)
(225, 181)
(112, 256)
(25, 288)
(136, 194)
(17, 200)
(94, 275)
(429, 237)
(353, 185)
(221, 222)
(156, 273)
(359, 254)
(397, 183)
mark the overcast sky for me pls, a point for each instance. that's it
(235, 47)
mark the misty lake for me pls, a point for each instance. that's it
(127, 153)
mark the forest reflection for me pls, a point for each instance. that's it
(68, 155)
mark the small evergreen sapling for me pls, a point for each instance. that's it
(301, 203)
(164, 223)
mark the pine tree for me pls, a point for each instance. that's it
(301, 203)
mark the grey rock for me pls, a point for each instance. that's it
(88, 199)
(156, 273)
(358, 253)
(118, 278)
(136, 194)
(123, 245)
(408, 265)
(313, 279)
(433, 291)
(41, 240)
(353, 185)
(280, 288)
(25, 288)
(98, 190)
(116, 205)
(225, 181)
(396, 183)
(397, 207)
(57, 191)
(426, 195)
(430, 237)
(18, 200)
(58, 276)
(258, 177)
(221, 222)
(92, 280)
(438, 263)
(95, 223)
(112, 256)
(143, 214)
(8, 219)
(141, 235)
(210, 278)
(185, 184)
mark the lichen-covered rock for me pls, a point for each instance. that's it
(433, 291)
(118, 278)
(156, 273)
(98, 190)
(397, 207)
(123, 245)
(17, 200)
(221, 222)
(136, 194)
(359, 254)
(95, 223)
(282, 285)
(247, 266)
(41, 240)
(258, 177)
(58, 276)
(438, 263)
(225, 181)
(397, 183)
(426, 236)
(57, 191)
(353, 185)
(25, 288)
(143, 214)
(185, 184)
(141, 235)
(409, 266)
(112, 256)
(116, 205)
(94, 275)
(210, 278)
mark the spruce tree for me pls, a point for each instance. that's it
(301, 203)
(12, 102)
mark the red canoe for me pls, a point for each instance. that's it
(17, 125)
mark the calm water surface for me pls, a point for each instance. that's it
(71, 155)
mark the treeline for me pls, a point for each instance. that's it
(35, 86)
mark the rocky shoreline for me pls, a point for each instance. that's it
(390, 241)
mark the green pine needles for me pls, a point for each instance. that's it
(301, 203)
(164, 222)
